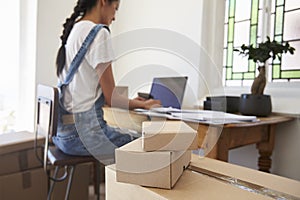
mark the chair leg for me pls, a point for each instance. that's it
(72, 169)
(97, 179)
(52, 183)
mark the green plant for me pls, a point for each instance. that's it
(260, 54)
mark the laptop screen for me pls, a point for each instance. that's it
(169, 90)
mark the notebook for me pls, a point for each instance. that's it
(169, 90)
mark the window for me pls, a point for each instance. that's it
(250, 22)
(17, 69)
(9, 55)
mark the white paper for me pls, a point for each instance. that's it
(200, 116)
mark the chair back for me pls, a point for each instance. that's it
(47, 115)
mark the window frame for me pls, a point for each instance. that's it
(258, 7)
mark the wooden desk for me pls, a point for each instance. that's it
(231, 136)
(216, 139)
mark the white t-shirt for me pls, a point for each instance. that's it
(82, 92)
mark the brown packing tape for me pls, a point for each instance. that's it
(250, 187)
(20, 160)
(26, 180)
(23, 160)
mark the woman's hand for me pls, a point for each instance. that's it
(151, 103)
(141, 102)
(139, 99)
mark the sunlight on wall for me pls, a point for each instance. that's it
(9, 56)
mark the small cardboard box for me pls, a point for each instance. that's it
(29, 184)
(193, 185)
(17, 152)
(168, 135)
(159, 169)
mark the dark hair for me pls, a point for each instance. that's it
(80, 9)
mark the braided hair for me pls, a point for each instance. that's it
(82, 7)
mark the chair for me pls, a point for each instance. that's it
(46, 125)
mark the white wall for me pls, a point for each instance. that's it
(50, 18)
(159, 38)
(41, 26)
(164, 38)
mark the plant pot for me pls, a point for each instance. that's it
(258, 105)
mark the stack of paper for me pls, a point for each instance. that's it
(203, 116)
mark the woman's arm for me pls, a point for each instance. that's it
(112, 98)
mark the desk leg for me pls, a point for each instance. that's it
(219, 143)
(265, 149)
(209, 141)
(223, 146)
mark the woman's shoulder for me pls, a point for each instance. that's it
(85, 26)
(81, 29)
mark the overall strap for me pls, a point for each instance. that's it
(80, 54)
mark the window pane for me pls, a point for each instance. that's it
(292, 25)
(224, 55)
(276, 71)
(229, 56)
(229, 73)
(254, 12)
(291, 74)
(225, 35)
(292, 61)
(241, 33)
(279, 20)
(272, 25)
(242, 10)
(287, 29)
(280, 2)
(226, 11)
(230, 30)
(261, 4)
(240, 63)
(291, 4)
(237, 76)
(259, 27)
(231, 8)
(249, 75)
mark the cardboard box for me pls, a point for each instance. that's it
(159, 169)
(29, 184)
(21, 171)
(168, 135)
(17, 152)
(193, 185)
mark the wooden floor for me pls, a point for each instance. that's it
(92, 196)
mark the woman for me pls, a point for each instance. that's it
(81, 127)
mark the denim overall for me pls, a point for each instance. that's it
(88, 134)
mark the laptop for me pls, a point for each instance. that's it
(169, 90)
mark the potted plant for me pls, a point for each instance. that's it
(257, 103)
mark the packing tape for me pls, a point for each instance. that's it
(244, 185)
(26, 179)
(23, 160)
